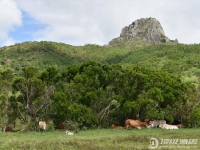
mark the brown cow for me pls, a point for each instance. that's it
(42, 125)
(137, 124)
(144, 124)
(62, 126)
(147, 120)
(7, 129)
(179, 125)
(116, 127)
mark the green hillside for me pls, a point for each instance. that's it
(57, 82)
(179, 59)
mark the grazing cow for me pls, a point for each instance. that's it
(62, 126)
(137, 124)
(7, 129)
(168, 126)
(116, 127)
(42, 125)
(156, 123)
(69, 133)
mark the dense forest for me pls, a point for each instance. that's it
(95, 86)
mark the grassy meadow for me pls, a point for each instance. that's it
(98, 139)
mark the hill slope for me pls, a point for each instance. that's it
(179, 59)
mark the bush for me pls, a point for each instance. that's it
(72, 125)
(195, 117)
(50, 127)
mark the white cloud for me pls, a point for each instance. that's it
(78, 22)
(75, 21)
(9, 41)
(10, 16)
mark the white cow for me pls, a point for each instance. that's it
(42, 125)
(168, 126)
(69, 133)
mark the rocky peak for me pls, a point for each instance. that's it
(141, 31)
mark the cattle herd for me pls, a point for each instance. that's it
(136, 124)
(147, 123)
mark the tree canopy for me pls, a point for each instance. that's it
(94, 94)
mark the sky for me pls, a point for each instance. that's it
(80, 22)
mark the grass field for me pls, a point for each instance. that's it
(101, 139)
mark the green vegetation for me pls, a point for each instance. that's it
(94, 94)
(108, 139)
(94, 86)
(179, 59)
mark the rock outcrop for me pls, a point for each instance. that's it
(141, 32)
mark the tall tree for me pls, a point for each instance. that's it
(6, 111)
(30, 99)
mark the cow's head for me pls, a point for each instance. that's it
(144, 124)
(151, 122)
